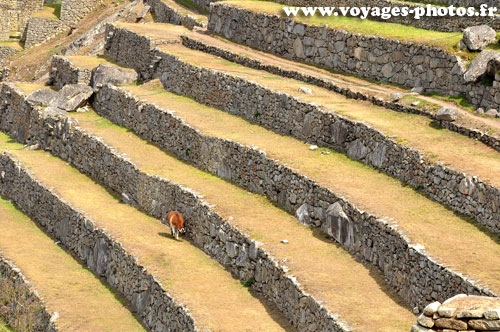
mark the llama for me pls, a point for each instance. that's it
(176, 222)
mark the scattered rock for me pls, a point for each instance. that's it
(397, 96)
(313, 147)
(480, 111)
(415, 103)
(492, 112)
(418, 328)
(112, 74)
(484, 325)
(42, 97)
(476, 38)
(450, 323)
(492, 314)
(302, 214)
(431, 309)
(447, 114)
(418, 89)
(325, 152)
(284, 241)
(72, 97)
(425, 321)
(305, 90)
(484, 63)
(357, 150)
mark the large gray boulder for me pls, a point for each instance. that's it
(112, 74)
(478, 37)
(42, 97)
(447, 114)
(72, 97)
(484, 63)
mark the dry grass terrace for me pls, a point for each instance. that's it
(83, 302)
(356, 292)
(90, 62)
(452, 149)
(467, 249)
(385, 91)
(216, 300)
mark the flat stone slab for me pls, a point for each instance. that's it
(112, 74)
(72, 97)
(42, 97)
(479, 66)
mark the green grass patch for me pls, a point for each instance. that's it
(4, 327)
(192, 6)
(460, 100)
(52, 11)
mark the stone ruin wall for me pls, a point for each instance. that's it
(461, 313)
(41, 29)
(5, 25)
(346, 91)
(163, 13)
(22, 296)
(73, 11)
(403, 63)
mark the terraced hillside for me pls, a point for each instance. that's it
(314, 198)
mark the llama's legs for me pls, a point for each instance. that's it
(177, 234)
(172, 230)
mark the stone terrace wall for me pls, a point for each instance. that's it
(17, 296)
(165, 14)
(41, 29)
(199, 45)
(403, 63)
(73, 11)
(5, 19)
(23, 11)
(6, 51)
(205, 228)
(103, 255)
(289, 116)
(62, 72)
(407, 268)
(446, 23)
